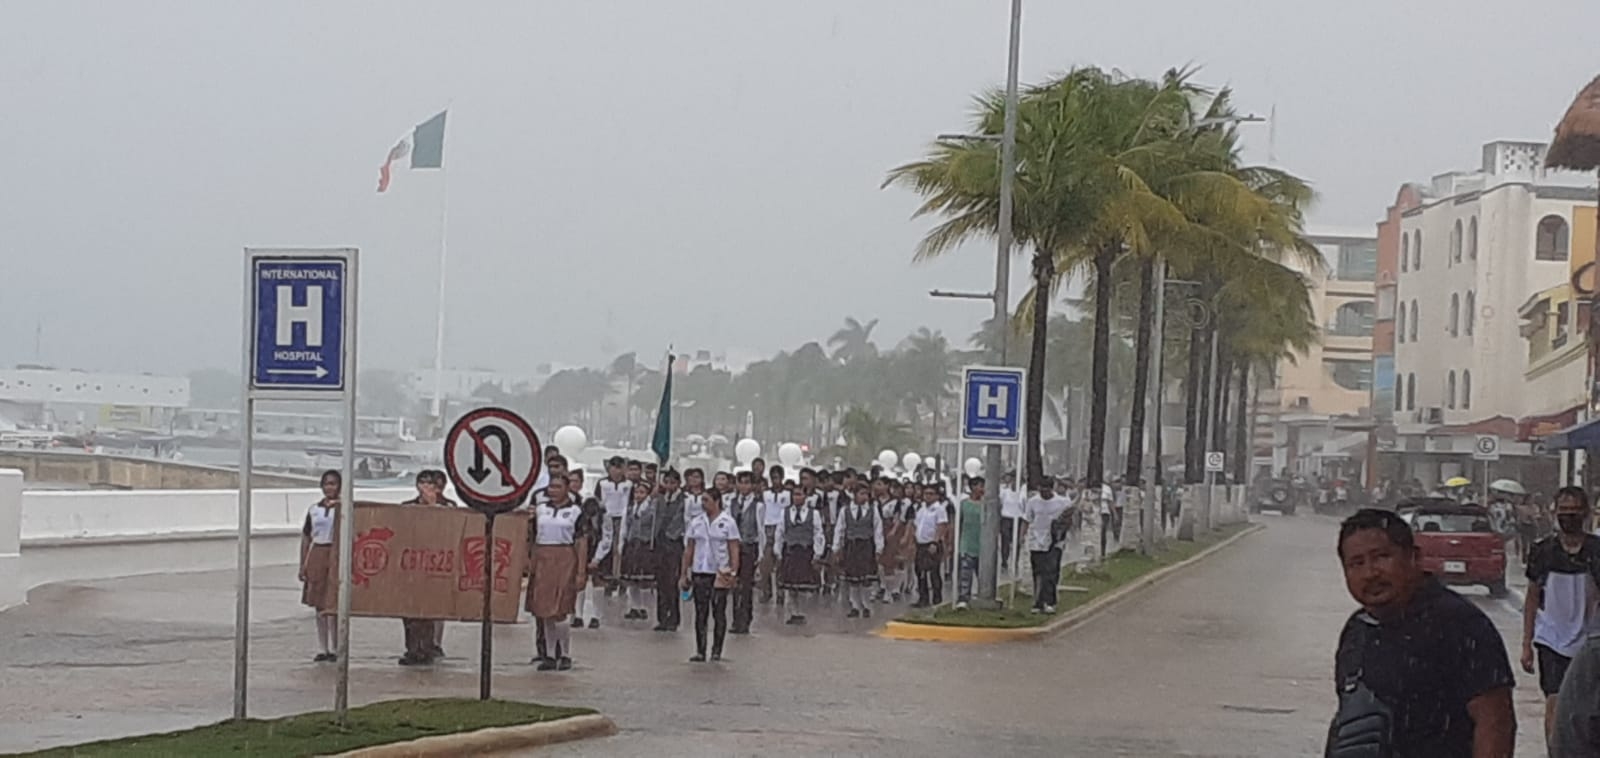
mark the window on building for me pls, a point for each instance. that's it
(1466, 389)
(1413, 333)
(1563, 321)
(1358, 261)
(1469, 312)
(1405, 255)
(1455, 315)
(1552, 240)
(1399, 394)
(1455, 242)
(1400, 323)
(1450, 390)
(1411, 392)
(1416, 250)
(1351, 375)
(1472, 239)
(1352, 320)
(1385, 302)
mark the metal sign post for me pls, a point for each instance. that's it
(494, 459)
(299, 344)
(991, 413)
(1486, 448)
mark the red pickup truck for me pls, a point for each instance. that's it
(1457, 544)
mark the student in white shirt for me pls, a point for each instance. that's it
(857, 543)
(800, 541)
(1011, 503)
(1044, 519)
(710, 563)
(316, 563)
(560, 564)
(775, 500)
(932, 527)
(637, 538)
(614, 492)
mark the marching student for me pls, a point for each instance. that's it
(910, 496)
(857, 542)
(831, 499)
(638, 551)
(971, 522)
(775, 500)
(560, 565)
(748, 511)
(758, 472)
(316, 563)
(799, 538)
(669, 525)
(710, 563)
(596, 528)
(889, 559)
(614, 493)
(694, 490)
(423, 637)
(932, 528)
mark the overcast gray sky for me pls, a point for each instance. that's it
(627, 174)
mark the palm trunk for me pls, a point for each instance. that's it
(1242, 427)
(1219, 425)
(1095, 467)
(1141, 371)
(1043, 274)
(1193, 411)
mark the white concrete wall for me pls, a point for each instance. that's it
(78, 535)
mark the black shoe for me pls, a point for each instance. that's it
(577, 623)
(853, 614)
(739, 630)
(565, 664)
(547, 664)
(409, 660)
(866, 613)
(436, 652)
(594, 623)
(800, 620)
(324, 658)
(791, 620)
(661, 628)
(697, 658)
(716, 656)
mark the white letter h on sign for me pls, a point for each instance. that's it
(309, 314)
(991, 400)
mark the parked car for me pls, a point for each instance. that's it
(1457, 542)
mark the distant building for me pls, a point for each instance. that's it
(78, 401)
(1332, 382)
(1484, 322)
(460, 384)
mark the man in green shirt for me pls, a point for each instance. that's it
(971, 537)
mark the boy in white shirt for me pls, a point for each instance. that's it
(1044, 517)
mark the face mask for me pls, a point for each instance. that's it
(1571, 523)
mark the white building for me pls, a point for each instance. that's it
(460, 384)
(1472, 255)
(78, 401)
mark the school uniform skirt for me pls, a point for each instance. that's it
(891, 559)
(796, 570)
(318, 589)
(859, 562)
(639, 563)
(551, 593)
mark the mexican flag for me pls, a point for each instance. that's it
(424, 146)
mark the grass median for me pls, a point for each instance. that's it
(315, 733)
(1077, 588)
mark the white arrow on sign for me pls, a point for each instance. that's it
(317, 372)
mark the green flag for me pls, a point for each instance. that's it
(661, 442)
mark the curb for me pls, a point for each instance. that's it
(900, 630)
(493, 740)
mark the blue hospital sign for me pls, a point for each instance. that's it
(297, 328)
(991, 404)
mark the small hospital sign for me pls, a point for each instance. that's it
(991, 403)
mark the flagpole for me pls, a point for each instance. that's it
(438, 329)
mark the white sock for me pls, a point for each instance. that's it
(582, 602)
(635, 598)
(327, 628)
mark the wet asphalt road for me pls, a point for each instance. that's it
(1231, 659)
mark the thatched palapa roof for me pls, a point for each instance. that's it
(1577, 142)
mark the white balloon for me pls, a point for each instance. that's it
(746, 451)
(570, 440)
(910, 461)
(973, 467)
(888, 458)
(790, 454)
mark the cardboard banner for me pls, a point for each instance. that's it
(426, 562)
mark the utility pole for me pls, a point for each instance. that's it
(989, 545)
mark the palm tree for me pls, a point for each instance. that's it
(853, 341)
(865, 434)
(928, 374)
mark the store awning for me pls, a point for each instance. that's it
(1576, 437)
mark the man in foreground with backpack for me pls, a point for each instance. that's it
(1045, 518)
(1419, 671)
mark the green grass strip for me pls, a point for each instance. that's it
(1077, 588)
(315, 733)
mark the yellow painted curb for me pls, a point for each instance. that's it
(493, 740)
(901, 630)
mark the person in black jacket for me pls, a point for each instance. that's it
(669, 523)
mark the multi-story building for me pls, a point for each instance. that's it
(81, 401)
(1318, 395)
(1480, 336)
